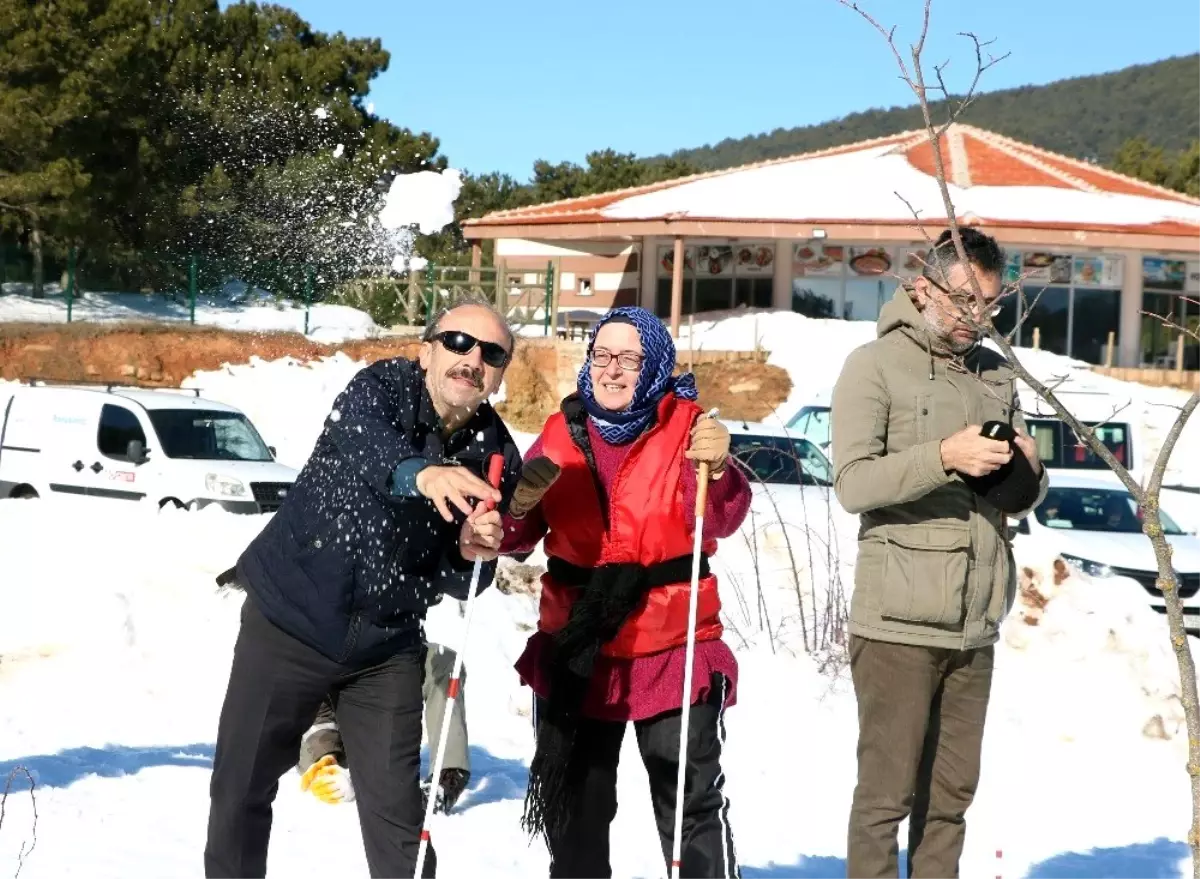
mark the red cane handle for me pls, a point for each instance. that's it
(495, 472)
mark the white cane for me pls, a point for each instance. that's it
(689, 658)
(495, 469)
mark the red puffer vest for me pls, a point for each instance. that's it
(647, 524)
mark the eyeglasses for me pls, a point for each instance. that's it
(965, 301)
(458, 342)
(627, 360)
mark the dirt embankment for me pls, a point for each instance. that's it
(158, 355)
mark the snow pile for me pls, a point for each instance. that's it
(1095, 652)
(809, 349)
(328, 324)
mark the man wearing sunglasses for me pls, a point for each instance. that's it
(388, 515)
(935, 575)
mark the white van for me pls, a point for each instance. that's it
(1057, 444)
(110, 442)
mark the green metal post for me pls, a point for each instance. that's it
(549, 295)
(192, 288)
(308, 293)
(70, 282)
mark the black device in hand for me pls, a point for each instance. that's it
(1012, 487)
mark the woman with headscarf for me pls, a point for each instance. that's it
(611, 485)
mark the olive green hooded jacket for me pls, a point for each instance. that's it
(935, 563)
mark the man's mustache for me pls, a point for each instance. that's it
(472, 375)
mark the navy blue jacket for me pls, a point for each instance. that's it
(351, 562)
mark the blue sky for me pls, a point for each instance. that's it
(504, 82)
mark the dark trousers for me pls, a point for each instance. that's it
(921, 713)
(275, 688)
(707, 845)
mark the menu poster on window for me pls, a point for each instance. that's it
(1052, 267)
(754, 258)
(817, 260)
(714, 261)
(1163, 274)
(1193, 277)
(1097, 271)
(869, 261)
(910, 261)
(1012, 268)
(666, 260)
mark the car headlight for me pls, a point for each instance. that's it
(226, 485)
(1084, 566)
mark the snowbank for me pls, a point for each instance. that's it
(327, 323)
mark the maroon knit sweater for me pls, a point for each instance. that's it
(635, 689)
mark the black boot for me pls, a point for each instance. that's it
(454, 782)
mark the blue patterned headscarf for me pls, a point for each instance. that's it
(654, 382)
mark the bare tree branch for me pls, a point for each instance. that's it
(12, 775)
(1147, 497)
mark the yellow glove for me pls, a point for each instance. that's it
(328, 781)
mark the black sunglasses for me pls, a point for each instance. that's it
(458, 342)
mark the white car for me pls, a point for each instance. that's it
(803, 538)
(1095, 527)
(114, 443)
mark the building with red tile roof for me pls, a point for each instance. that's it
(831, 233)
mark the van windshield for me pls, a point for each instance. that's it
(813, 422)
(206, 435)
(1059, 448)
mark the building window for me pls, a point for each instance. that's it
(718, 277)
(816, 297)
(1096, 313)
(1073, 302)
(1171, 288)
(848, 281)
(1049, 314)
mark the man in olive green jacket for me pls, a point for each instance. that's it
(935, 575)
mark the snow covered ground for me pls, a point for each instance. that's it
(327, 323)
(115, 650)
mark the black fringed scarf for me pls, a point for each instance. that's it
(609, 594)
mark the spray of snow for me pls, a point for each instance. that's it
(419, 202)
(424, 200)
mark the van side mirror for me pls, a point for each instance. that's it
(274, 453)
(136, 451)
